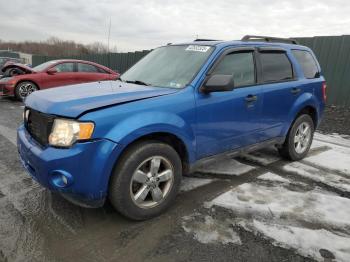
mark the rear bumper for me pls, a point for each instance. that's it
(85, 166)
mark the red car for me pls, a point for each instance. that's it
(23, 80)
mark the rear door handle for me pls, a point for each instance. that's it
(251, 98)
(295, 90)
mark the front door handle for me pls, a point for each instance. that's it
(251, 98)
(295, 90)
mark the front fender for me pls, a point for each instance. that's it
(136, 126)
(305, 100)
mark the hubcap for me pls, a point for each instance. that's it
(302, 138)
(152, 182)
(26, 89)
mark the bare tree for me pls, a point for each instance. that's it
(54, 46)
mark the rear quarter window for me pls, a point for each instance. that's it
(307, 63)
(276, 67)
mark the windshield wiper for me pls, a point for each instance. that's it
(137, 82)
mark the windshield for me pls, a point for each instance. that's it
(43, 66)
(169, 66)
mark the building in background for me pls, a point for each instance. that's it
(26, 58)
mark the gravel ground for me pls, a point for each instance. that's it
(336, 120)
(36, 225)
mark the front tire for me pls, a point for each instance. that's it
(24, 89)
(299, 139)
(146, 180)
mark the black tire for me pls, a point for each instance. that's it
(24, 89)
(121, 193)
(288, 149)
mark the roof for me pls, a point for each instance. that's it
(223, 44)
(70, 60)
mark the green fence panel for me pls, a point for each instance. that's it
(116, 61)
(333, 53)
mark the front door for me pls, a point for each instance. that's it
(63, 76)
(231, 119)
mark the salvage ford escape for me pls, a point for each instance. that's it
(130, 140)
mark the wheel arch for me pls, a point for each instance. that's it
(168, 138)
(306, 103)
(15, 92)
(311, 111)
(27, 80)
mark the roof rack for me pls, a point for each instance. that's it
(201, 40)
(269, 39)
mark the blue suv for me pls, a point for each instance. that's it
(130, 140)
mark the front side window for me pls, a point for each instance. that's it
(169, 66)
(87, 68)
(65, 67)
(240, 66)
(307, 63)
(276, 67)
(44, 66)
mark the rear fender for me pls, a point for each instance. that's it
(305, 100)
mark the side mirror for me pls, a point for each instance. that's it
(51, 71)
(218, 83)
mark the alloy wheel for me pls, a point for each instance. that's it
(26, 89)
(302, 137)
(151, 182)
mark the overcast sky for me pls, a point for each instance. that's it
(138, 25)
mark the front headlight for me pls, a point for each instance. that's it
(66, 132)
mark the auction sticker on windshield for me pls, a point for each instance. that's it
(198, 48)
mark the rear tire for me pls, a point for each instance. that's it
(146, 180)
(24, 89)
(299, 139)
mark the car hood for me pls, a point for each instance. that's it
(72, 101)
(24, 68)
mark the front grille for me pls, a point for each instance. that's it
(39, 126)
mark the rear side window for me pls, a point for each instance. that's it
(307, 63)
(275, 67)
(240, 65)
(87, 68)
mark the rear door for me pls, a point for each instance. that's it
(90, 73)
(63, 76)
(280, 90)
(231, 119)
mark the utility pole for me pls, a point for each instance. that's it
(109, 37)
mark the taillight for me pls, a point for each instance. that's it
(324, 91)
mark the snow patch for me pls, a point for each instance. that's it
(274, 178)
(336, 139)
(278, 202)
(333, 180)
(317, 144)
(190, 183)
(210, 230)
(305, 221)
(307, 242)
(332, 159)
